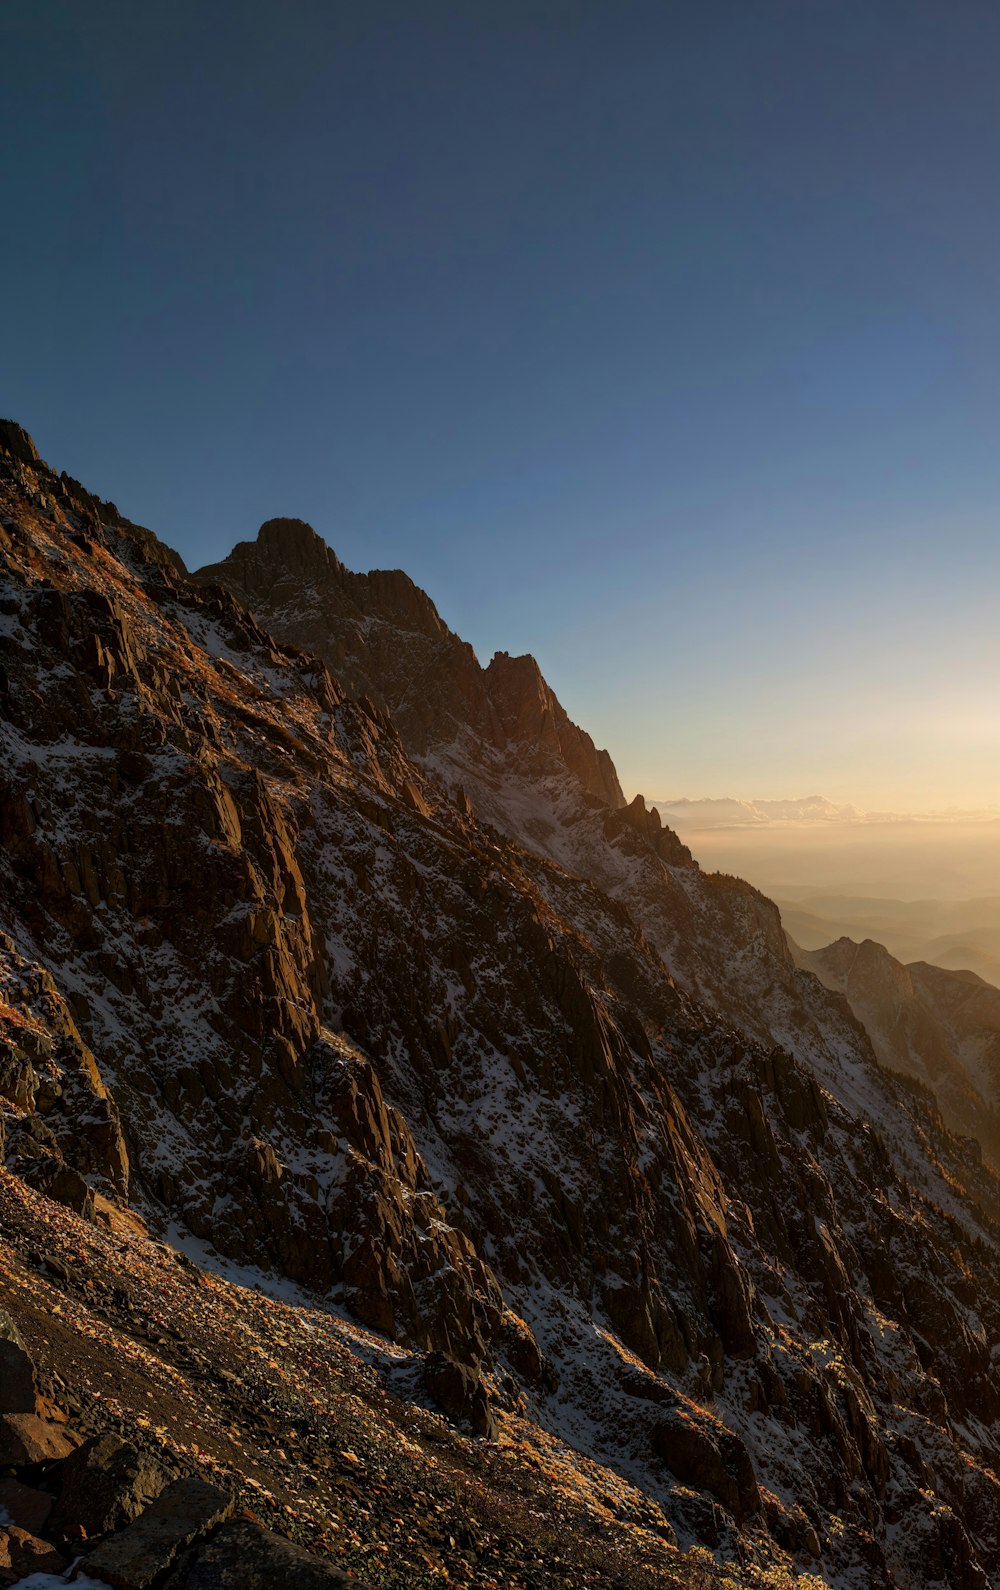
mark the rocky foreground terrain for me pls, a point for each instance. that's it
(411, 1157)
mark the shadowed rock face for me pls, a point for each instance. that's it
(530, 715)
(64, 1123)
(242, 1556)
(17, 443)
(438, 1065)
(385, 637)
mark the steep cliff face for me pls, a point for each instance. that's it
(65, 1131)
(436, 1068)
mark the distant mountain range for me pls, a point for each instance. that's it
(958, 935)
(730, 813)
(903, 881)
(940, 1027)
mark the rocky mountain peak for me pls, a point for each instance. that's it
(530, 713)
(294, 544)
(647, 816)
(15, 440)
(384, 637)
(290, 566)
(857, 963)
(942, 1028)
(524, 701)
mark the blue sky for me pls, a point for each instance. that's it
(658, 339)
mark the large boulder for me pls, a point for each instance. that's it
(460, 1393)
(141, 1555)
(106, 1484)
(706, 1455)
(22, 1553)
(25, 1439)
(241, 1556)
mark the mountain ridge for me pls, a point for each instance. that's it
(941, 1027)
(507, 704)
(390, 1002)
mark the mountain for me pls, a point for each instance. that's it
(941, 1027)
(385, 640)
(498, 741)
(336, 964)
(958, 935)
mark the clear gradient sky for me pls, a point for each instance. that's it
(660, 338)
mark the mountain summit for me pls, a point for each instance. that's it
(586, 1226)
(384, 636)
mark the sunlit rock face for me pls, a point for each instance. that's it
(347, 955)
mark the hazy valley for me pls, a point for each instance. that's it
(928, 888)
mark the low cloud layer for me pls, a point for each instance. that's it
(687, 815)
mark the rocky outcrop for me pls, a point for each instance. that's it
(709, 1458)
(461, 1393)
(16, 442)
(644, 821)
(530, 716)
(58, 1119)
(380, 633)
(242, 1556)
